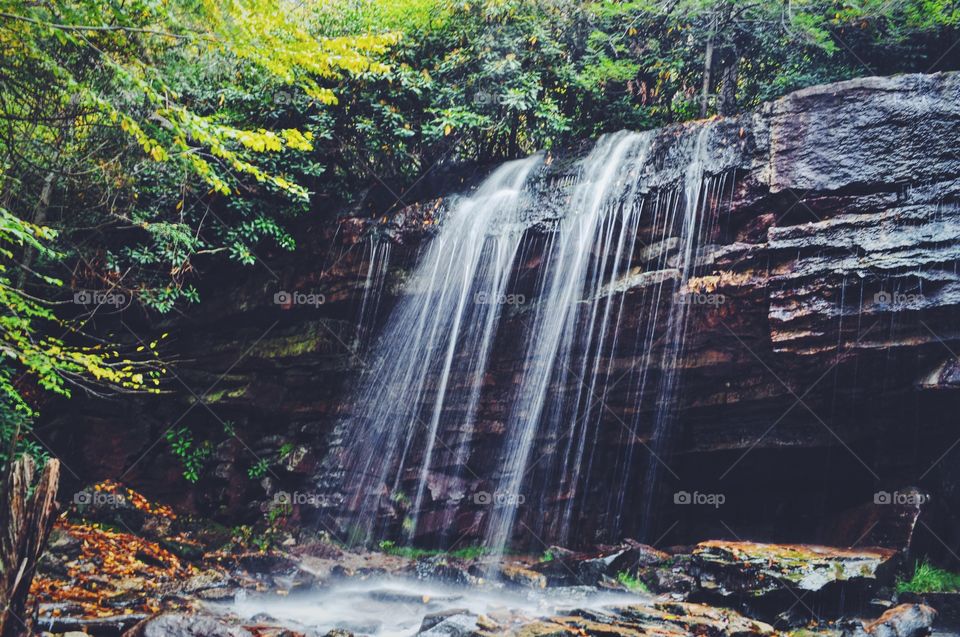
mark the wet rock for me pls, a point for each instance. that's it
(63, 543)
(114, 625)
(889, 521)
(947, 606)
(753, 568)
(668, 580)
(663, 619)
(207, 580)
(274, 631)
(522, 576)
(454, 622)
(432, 619)
(367, 627)
(905, 620)
(218, 594)
(440, 569)
(266, 562)
(394, 596)
(295, 579)
(544, 629)
(115, 505)
(871, 159)
(184, 625)
(591, 569)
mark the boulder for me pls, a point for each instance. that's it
(454, 622)
(665, 619)
(109, 625)
(890, 520)
(571, 568)
(752, 568)
(905, 620)
(185, 625)
(441, 569)
(521, 576)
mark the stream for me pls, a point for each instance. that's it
(395, 607)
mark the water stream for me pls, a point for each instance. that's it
(409, 438)
(433, 351)
(396, 607)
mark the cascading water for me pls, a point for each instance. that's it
(433, 352)
(698, 194)
(573, 273)
(576, 329)
(623, 232)
(377, 264)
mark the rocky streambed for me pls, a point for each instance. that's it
(120, 565)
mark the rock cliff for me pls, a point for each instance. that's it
(818, 379)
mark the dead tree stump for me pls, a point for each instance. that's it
(27, 513)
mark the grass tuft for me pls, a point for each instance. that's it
(413, 553)
(929, 579)
(632, 583)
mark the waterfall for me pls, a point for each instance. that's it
(574, 272)
(699, 193)
(626, 229)
(376, 275)
(431, 357)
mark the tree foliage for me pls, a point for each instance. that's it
(140, 140)
(104, 137)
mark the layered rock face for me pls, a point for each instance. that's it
(818, 372)
(817, 354)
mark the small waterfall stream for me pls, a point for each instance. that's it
(414, 413)
(378, 263)
(576, 267)
(434, 348)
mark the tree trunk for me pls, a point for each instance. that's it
(26, 518)
(708, 67)
(39, 218)
(728, 94)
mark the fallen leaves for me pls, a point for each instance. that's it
(113, 573)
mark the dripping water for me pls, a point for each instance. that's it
(431, 356)
(573, 275)
(378, 265)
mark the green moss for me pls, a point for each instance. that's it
(632, 583)
(311, 337)
(929, 579)
(413, 553)
(217, 396)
